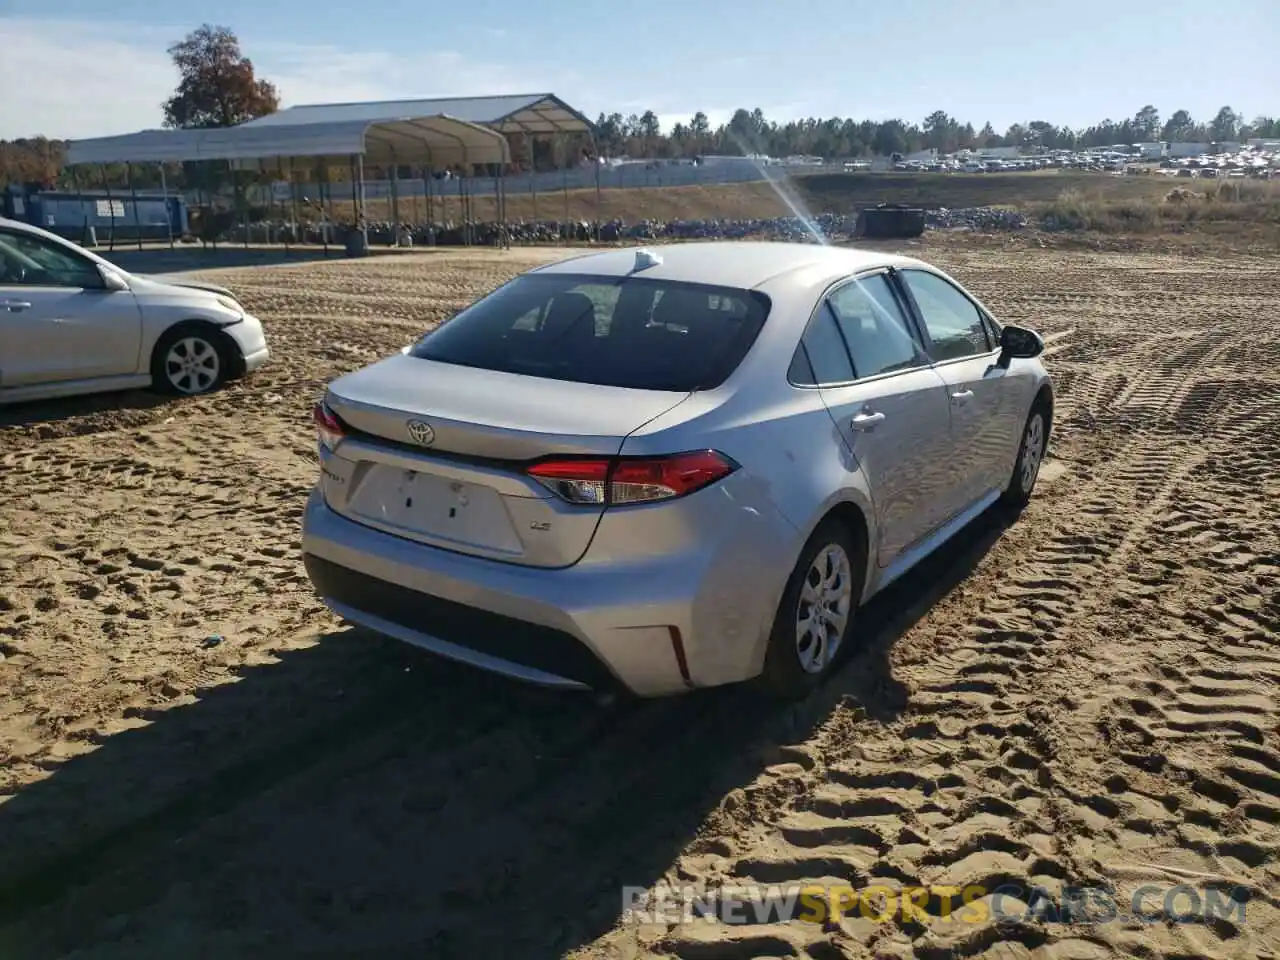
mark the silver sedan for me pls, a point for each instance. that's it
(672, 468)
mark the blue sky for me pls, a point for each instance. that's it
(95, 68)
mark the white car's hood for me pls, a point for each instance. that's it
(151, 284)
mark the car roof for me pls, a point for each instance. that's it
(26, 228)
(744, 264)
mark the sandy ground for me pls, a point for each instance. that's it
(197, 760)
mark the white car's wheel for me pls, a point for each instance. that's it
(190, 360)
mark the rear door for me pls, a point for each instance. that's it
(889, 405)
(964, 353)
(57, 320)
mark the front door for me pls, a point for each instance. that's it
(58, 321)
(964, 355)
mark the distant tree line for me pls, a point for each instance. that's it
(218, 88)
(641, 135)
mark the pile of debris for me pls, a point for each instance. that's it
(823, 227)
(976, 218)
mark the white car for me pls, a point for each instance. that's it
(74, 323)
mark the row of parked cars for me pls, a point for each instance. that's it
(1252, 163)
(977, 164)
(639, 471)
(1262, 165)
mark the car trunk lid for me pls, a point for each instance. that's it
(436, 452)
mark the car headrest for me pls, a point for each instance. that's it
(571, 311)
(683, 307)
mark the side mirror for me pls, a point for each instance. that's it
(1019, 343)
(112, 281)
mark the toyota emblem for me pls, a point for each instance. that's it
(421, 433)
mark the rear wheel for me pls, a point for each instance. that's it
(1031, 450)
(189, 360)
(815, 618)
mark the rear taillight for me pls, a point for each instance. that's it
(608, 481)
(328, 427)
(578, 480)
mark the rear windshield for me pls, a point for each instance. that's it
(617, 332)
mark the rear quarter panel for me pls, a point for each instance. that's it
(795, 467)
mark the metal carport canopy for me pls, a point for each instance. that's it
(437, 142)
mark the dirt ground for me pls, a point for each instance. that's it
(197, 760)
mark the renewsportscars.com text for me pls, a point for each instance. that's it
(816, 903)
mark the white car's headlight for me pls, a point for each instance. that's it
(228, 304)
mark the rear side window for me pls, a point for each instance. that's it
(619, 332)
(821, 357)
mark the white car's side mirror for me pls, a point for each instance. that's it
(112, 280)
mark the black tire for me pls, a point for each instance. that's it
(784, 675)
(1022, 482)
(215, 351)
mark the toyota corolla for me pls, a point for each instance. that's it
(671, 468)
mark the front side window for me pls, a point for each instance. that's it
(952, 320)
(33, 261)
(612, 331)
(874, 327)
(993, 330)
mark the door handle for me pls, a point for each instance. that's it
(15, 306)
(865, 421)
(960, 396)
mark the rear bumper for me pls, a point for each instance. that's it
(592, 626)
(467, 634)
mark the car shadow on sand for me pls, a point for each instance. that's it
(357, 797)
(90, 413)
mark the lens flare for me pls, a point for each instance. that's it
(781, 185)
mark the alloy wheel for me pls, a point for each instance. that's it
(192, 365)
(826, 601)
